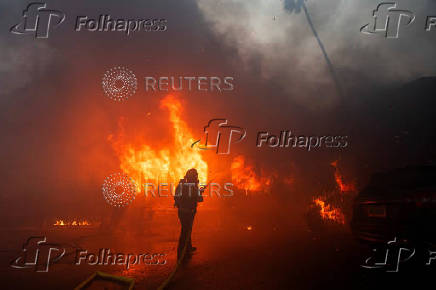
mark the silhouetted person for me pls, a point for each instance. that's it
(186, 197)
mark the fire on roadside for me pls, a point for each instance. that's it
(72, 223)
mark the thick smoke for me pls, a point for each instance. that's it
(21, 64)
(279, 36)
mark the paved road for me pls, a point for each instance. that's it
(269, 255)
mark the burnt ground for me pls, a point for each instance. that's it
(229, 256)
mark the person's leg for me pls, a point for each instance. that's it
(191, 223)
(184, 231)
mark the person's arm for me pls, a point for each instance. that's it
(200, 192)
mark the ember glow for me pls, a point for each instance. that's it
(245, 177)
(329, 212)
(142, 162)
(72, 223)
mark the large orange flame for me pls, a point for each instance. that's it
(143, 163)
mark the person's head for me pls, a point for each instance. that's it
(191, 176)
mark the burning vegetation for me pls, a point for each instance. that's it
(332, 206)
(340, 183)
(328, 211)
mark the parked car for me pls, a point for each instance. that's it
(399, 204)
